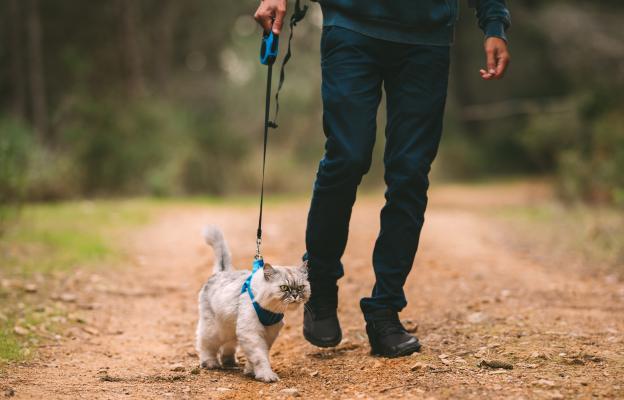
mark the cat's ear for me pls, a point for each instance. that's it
(269, 271)
(303, 268)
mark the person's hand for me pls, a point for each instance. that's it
(497, 57)
(270, 15)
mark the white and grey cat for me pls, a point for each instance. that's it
(227, 316)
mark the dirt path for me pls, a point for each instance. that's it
(471, 295)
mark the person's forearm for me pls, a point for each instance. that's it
(494, 18)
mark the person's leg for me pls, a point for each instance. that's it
(416, 84)
(351, 91)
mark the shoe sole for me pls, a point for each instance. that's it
(403, 353)
(318, 343)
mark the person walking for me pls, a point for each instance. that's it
(402, 46)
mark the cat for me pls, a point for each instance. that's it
(228, 317)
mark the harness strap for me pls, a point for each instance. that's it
(266, 317)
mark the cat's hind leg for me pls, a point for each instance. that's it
(228, 355)
(207, 342)
(249, 369)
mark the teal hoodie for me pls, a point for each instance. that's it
(413, 21)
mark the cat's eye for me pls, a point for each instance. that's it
(284, 288)
(300, 288)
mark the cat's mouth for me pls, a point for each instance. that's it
(294, 303)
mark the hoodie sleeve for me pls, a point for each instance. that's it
(494, 18)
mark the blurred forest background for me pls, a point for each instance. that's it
(165, 98)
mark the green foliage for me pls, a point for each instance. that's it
(576, 235)
(15, 142)
(10, 346)
(195, 124)
(127, 149)
(47, 239)
(60, 236)
(584, 146)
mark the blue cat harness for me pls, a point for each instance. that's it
(266, 317)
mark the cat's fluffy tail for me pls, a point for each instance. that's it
(223, 258)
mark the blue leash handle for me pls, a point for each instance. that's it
(269, 48)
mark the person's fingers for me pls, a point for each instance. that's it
(485, 75)
(490, 54)
(279, 20)
(503, 62)
(264, 19)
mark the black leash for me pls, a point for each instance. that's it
(268, 54)
(267, 124)
(298, 15)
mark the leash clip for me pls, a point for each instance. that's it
(258, 255)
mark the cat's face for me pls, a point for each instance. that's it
(288, 285)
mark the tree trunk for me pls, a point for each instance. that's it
(164, 46)
(133, 61)
(17, 61)
(37, 81)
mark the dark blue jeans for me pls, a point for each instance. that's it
(354, 68)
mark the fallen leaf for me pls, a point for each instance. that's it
(494, 364)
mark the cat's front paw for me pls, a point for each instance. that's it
(267, 376)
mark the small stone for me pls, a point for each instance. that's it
(314, 373)
(21, 331)
(419, 366)
(30, 288)
(90, 330)
(9, 392)
(477, 317)
(575, 361)
(410, 326)
(177, 368)
(527, 365)
(291, 392)
(544, 383)
(68, 297)
(593, 358)
(195, 371)
(223, 389)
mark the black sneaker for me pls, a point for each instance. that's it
(388, 337)
(320, 320)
